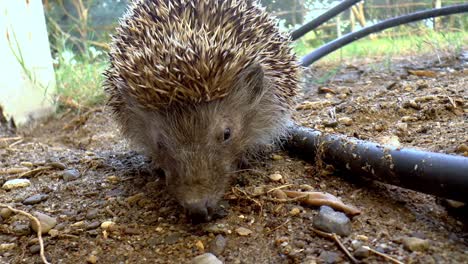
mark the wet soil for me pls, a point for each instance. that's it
(416, 102)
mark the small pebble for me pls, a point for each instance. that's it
(92, 213)
(107, 225)
(21, 229)
(402, 126)
(113, 179)
(362, 238)
(295, 211)
(93, 225)
(277, 157)
(7, 246)
(27, 164)
(200, 246)
(217, 229)
(71, 175)
(5, 213)
(92, 259)
(462, 148)
(206, 258)
(37, 198)
(330, 257)
(34, 249)
(279, 194)
(16, 183)
(415, 244)
(361, 252)
(57, 165)
(242, 231)
(47, 222)
(275, 177)
(345, 121)
(53, 232)
(332, 222)
(454, 204)
(217, 245)
(356, 244)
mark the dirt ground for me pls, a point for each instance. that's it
(415, 102)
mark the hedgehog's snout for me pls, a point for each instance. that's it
(198, 210)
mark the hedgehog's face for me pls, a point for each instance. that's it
(199, 152)
(199, 146)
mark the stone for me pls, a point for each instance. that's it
(217, 245)
(275, 177)
(107, 225)
(47, 222)
(71, 175)
(345, 121)
(35, 199)
(5, 213)
(415, 244)
(332, 222)
(7, 246)
(361, 252)
(330, 257)
(206, 258)
(16, 183)
(242, 231)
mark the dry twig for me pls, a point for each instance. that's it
(39, 228)
(383, 255)
(335, 238)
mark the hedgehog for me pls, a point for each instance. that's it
(200, 86)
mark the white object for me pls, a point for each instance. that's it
(27, 79)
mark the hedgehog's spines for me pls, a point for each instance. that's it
(189, 51)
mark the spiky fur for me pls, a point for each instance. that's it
(183, 70)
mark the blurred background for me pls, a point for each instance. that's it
(79, 32)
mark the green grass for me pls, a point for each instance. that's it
(388, 47)
(80, 83)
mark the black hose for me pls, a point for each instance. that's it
(392, 22)
(433, 173)
(322, 18)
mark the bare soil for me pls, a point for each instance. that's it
(415, 102)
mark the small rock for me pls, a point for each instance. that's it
(93, 225)
(27, 164)
(277, 157)
(356, 244)
(242, 231)
(16, 183)
(92, 259)
(21, 229)
(71, 175)
(92, 213)
(200, 246)
(217, 229)
(402, 126)
(279, 194)
(34, 249)
(362, 238)
(258, 190)
(454, 204)
(206, 258)
(113, 179)
(172, 238)
(462, 148)
(57, 165)
(345, 121)
(5, 213)
(333, 222)
(275, 177)
(132, 200)
(330, 257)
(47, 222)
(7, 246)
(295, 211)
(54, 232)
(107, 225)
(415, 244)
(37, 198)
(362, 252)
(217, 245)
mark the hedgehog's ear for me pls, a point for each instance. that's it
(252, 80)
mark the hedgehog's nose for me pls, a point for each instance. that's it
(198, 211)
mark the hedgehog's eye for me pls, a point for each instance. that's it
(227, 134)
